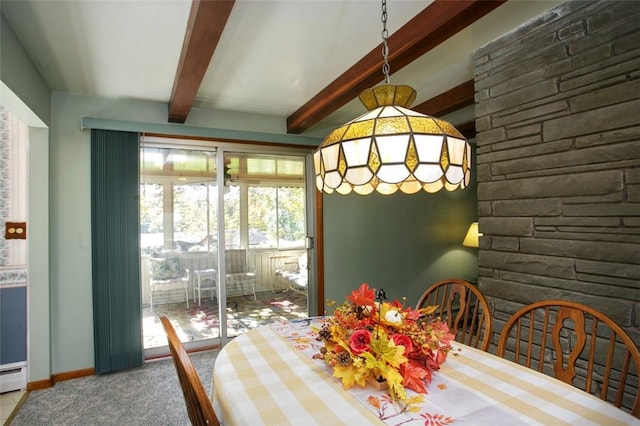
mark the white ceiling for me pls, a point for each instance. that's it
(273, 56)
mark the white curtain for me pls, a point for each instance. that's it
(14, 152)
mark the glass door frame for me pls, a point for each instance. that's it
(221, 148)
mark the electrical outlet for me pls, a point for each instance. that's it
(15, 231)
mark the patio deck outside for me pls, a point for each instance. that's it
(200, 322)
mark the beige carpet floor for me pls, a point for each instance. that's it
(144, 396)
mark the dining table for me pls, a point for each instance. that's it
(268, 376)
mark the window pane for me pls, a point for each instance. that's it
(262, 217)
(291, 229)
(232, 217)
(266, 168)
(191, 207)
(151, 225)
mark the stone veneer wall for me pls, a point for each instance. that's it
(558, 160)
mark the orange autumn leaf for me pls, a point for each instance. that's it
(413, 377)
(363, 296)
(412, 315)
(442, 386)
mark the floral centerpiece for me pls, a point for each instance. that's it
(368, 339)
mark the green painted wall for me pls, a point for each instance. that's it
(19, 73)
(38, 233)
(401, 243)
(24, 92)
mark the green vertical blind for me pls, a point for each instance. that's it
(117, 309)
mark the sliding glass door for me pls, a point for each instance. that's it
(244, 228)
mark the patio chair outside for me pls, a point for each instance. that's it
(240, 277)
(168, 283)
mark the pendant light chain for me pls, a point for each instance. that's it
(363, 155)
(385, 45)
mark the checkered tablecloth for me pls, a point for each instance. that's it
(267, 377)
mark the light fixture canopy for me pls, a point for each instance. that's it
(391, 147)
(472, 239)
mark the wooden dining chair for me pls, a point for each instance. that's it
(569, 338)
(465, 310)
(199, 407)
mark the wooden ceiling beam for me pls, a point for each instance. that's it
(454, 99)
(467, 129)
(459, 97)
(207, 20)
(435, 24)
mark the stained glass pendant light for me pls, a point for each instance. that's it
(391, 147)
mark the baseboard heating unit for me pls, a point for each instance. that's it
(13, 376)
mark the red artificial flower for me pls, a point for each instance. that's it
(363, 296)
(401, 339)
(360, 341)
